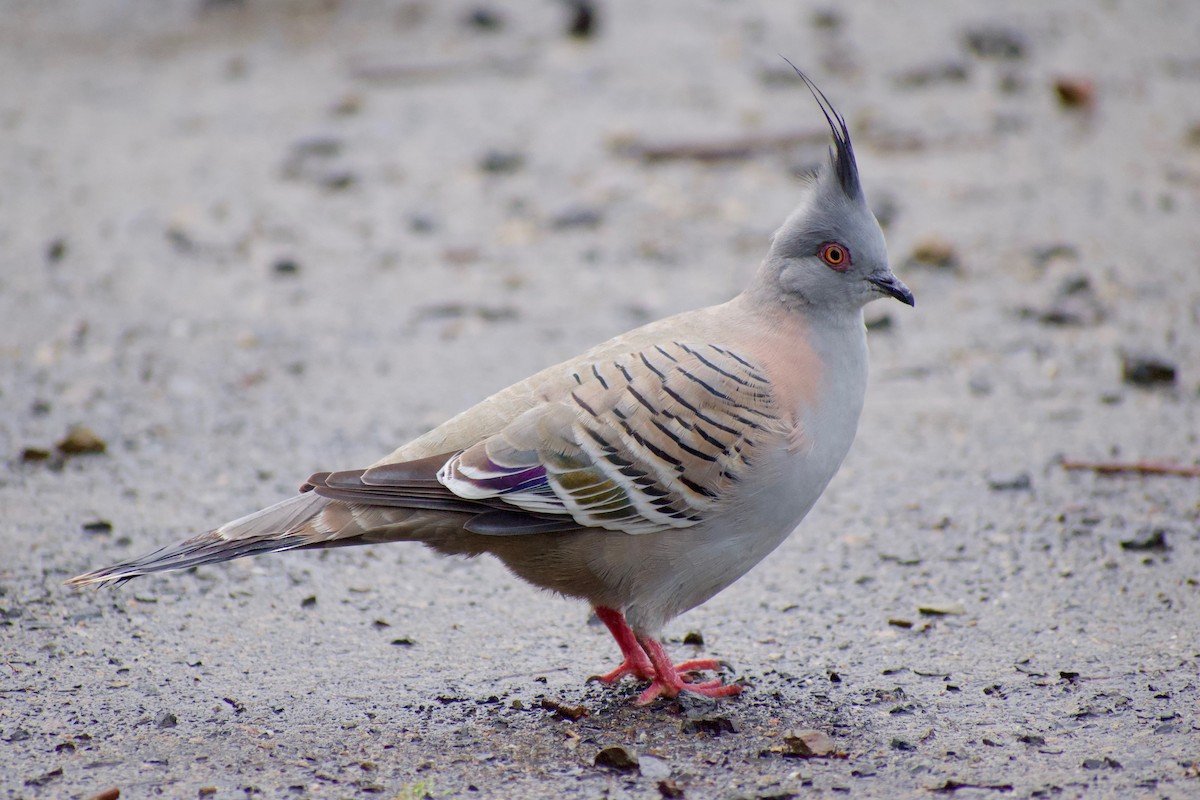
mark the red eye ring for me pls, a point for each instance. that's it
(835, 256)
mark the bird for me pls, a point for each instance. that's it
(645, 475)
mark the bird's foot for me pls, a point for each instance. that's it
(671, 679)
(646, 659)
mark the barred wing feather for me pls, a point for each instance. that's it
(639, 443)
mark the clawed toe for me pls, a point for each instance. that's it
(642, 672)
(702, 665)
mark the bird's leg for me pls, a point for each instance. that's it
(636, 662)
(671, 679)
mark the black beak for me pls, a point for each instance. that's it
(892, 286)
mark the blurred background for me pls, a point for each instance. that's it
(244, 241)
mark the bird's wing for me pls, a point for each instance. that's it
(638, 443)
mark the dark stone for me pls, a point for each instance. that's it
(1150, 539)
(1013, 482)
(45, 778)
(622, 759)
(713, 726)
(996, 41)
(582, 21)
(1143, 370)
(500, 162)
(485, 19)
(55, 250)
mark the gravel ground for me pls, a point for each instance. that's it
(244, 241)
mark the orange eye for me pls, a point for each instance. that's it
(835, 256)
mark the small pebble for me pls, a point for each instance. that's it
(941, 609)
(712, 726)
(1010, 482)
(33, 455)
(45, 778)
(483, 18)
(317, 146)
(670, 789)
(563, 711)
(1075, 93)
(807, 744)
(500, 162)
(996, 41)
(81, 440)
(581, 217)
(166, 720)
(827, 19)
(56, 250)
(934, 252)
(347, 105)
(337, 180)
(622, 759)
(942, 72)
(1144, 370)
(421, 223)
(1074, 303)
(1052, 252)
(1192, 137)
(582, 21)
(1152, 539)
(694, 638)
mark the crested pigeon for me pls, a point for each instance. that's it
(645, 475)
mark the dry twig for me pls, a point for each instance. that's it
(1135, 467)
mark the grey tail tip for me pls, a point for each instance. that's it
(843, 157)
(101, 578)
(207, 548)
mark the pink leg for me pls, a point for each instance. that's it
(671, 679)
(636, 662)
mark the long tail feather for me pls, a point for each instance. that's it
(283, 526)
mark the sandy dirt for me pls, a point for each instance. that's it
(242, 242)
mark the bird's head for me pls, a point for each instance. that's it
(830, 252)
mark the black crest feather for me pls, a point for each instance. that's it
(843, 157)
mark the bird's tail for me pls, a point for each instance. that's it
(309, 520)
(283, 526)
